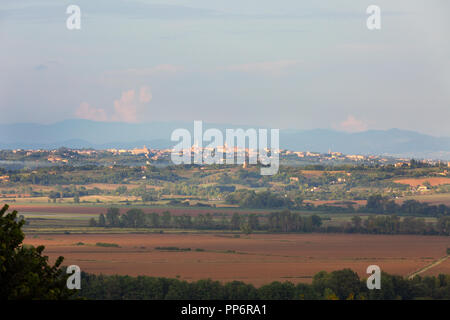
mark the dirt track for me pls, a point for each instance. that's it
(432, 265)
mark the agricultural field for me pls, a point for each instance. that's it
(433, 181)
(256, 259)
(434, 199)
(230, 223)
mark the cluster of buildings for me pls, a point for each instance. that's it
(405, 163)
(64, 156)
(330, 156)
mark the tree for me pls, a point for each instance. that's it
(147, 197)
(101, 220)
(134, 218)
(330, 295)
(375, 203)
(340, 284)
(443, 225)
(344, 283)
(112, 217)
(356, 220)
(208, 220)
(92, 222)
(121, 190)
(298, 201)
(24, 271)
(316, 220)
(155, 220)
(166, 218)
(253, 221)
(246, 229)
(235, 221)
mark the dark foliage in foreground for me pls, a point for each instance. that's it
(341, 284)
(24, 272)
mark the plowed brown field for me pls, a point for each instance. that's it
(256, 259)
(414, 182)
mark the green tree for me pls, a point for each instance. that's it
(298, 201)
(246, 229)
(147, 197)
(155, 220)
(342, 284)
(121, 190)
(134, 218)
(253, 221)
(101, 220)
(92, 222)
(24, 271)
(166, 218)
(443, 225)
(356, 220)
(316, 220)
(235, 221)
(113, 217)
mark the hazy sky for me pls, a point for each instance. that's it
(284, 64)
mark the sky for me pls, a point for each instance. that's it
(280, 64)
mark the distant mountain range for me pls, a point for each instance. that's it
(100, 135)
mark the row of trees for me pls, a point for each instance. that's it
(395, 225)
(385, 205)
(250, 199)
(281, 221)
(287, 221)
(337, 285)
(375, 204)
(136, 218)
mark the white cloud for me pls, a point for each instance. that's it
(85, 111)
(351, 124)
(126, 109)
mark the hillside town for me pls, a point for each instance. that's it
(146, 156)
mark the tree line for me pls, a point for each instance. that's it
(337, 285)
(385, 205)
(277, 222)
(375, 204)
(393, 224)
(284, 221)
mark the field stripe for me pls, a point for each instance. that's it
(428, 267)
